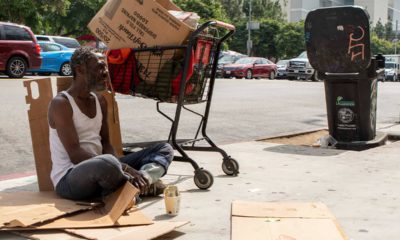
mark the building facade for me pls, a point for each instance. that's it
(378, 10)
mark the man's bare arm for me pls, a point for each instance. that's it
(60, 118)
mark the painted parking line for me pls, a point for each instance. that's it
(23, 182)
(17, 175)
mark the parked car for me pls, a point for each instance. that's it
(56, 59)
(65, 41)
(300, 68)
(392, 71)
(227, 59)
(19, 50)
(250, 67)
(282, 68)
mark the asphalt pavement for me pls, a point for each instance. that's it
(241, 110)
(358, 187)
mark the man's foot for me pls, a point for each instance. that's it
(155, 189)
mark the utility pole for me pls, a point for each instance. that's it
(395, 38)
(249, 43)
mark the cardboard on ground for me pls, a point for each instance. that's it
(283, 221)
(136, 23)
(107, 216)
(138, 232)
(127, 233)
(23, 209)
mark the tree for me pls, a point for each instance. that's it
(389, 34)
(379, 29)
(54, 17)
(264, 39)
(31, 13)
(290, 40)
(206, 9)
(234, 9)
(264, 9)
(75, 20)
(379, 45)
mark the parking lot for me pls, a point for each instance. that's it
(242, 110)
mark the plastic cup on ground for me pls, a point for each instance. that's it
(172, 200)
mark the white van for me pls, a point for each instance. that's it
(392, 67)
(65, 41)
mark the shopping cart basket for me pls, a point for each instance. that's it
(184, 75)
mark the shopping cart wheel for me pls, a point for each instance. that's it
(203, 179)
(230, 166)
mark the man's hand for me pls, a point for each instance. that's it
(137, 179)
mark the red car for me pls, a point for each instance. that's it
(250, 67)
(19, 50)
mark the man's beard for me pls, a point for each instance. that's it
(95, 84)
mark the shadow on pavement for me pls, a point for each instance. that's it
(171, 235)
(302, 150)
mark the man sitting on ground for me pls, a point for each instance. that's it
(84, 162)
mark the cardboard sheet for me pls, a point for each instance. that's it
(109, 215)
(283, 221)
(133, 218)
(133, 24)
(284, 229)
(37, 115)
(276, 209)
(128, 233)
(137, 233)
(22, 209)
(48, 235)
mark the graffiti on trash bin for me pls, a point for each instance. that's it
(356, 45)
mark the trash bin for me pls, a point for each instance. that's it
(338, 47)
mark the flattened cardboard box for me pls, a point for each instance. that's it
(115, 233)
(45, 210)
(138, 23)
(283, 221)
(23, 209)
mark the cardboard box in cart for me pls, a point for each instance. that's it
(139, 23)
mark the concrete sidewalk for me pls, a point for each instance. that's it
(360, 188)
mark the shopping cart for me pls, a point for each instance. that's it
(184, 75)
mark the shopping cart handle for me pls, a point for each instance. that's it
(224, 25)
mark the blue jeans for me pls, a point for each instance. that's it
(102, 175)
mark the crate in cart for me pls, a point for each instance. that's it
(182, 74)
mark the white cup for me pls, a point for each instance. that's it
(172, 200)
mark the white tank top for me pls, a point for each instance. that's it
(88, 130)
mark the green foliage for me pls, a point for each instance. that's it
(389, 34)
(379, 45)
(275, 38)
(56, 17)
(206, 9)
(269, 9)
(290, 40)
(234, 9)
(379, 29)
(75, 20)
(31, 13)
